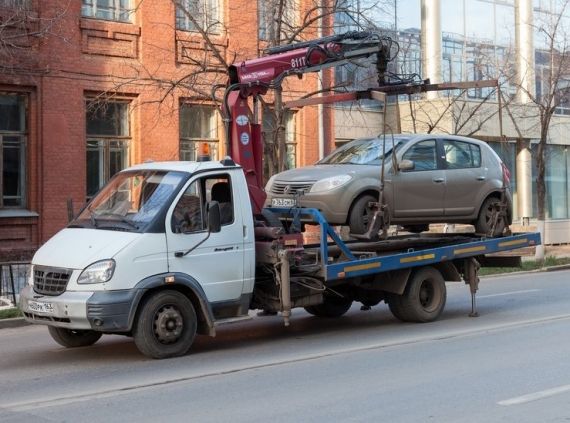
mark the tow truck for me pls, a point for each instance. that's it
(168, 250)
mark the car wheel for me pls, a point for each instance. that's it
(70, 338)
(484, 222)
(423, 299)
(166, 325)
(361, 214)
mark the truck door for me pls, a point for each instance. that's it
(218, 263)
(419, 192)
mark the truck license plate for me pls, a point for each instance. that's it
(39, 307)
(283, 202)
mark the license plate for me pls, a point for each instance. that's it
(283, 202)
(39, 307)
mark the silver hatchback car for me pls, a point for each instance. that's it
(428, 179)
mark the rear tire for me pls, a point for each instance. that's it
(330, 307)
(166, 325)
(361, 214)
(485, 219)
(423, 299)
(70, 338)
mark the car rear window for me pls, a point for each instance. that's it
(461, 155)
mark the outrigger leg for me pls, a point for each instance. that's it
(471, 276)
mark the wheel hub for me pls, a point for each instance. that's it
(426, 295)
(168, 324)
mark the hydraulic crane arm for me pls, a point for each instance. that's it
(255, 77)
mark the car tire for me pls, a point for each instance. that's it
(166, 325)
(361, 214)
(484, 220)
(70, 338)
(423, 299)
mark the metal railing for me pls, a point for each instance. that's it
(13, 278)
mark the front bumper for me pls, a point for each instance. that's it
(103, 311)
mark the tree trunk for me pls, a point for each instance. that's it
(541, 182)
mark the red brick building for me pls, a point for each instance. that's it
(88, 89)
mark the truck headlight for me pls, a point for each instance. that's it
(331, 183)
(98, 272)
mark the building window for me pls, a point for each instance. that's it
(192, 15)
(278, 19)
(12, 150)
(108, 139)
(109, 10)
(198, 124)
(270, 126)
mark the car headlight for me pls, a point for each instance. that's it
(331, 183)
(98, 272)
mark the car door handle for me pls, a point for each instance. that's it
(438, 180)
(481, 178)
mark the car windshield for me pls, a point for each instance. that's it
(131, 200)
(364, 151)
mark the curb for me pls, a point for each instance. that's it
(15, 322)
(527, 272)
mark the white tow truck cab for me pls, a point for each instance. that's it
(171, 242)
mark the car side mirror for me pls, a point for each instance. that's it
(405, 164)
(214, 217)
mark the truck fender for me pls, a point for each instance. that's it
(188, 286)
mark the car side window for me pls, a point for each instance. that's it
(423, 154)
(461, 155)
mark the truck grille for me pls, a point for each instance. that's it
(50, 280)
(293, 188)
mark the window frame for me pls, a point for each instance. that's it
(89, 9)
(438, 160)
(188, 145)
(211, 22)
(105, 145)
(22, 145)
(470, 145)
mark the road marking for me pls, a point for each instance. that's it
(65, 399)
(503, 294)
(535, 396)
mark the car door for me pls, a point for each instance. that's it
(218, 263)
(419, 192)
(465, 177)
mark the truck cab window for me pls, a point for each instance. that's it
(219, 189)
(188, 215)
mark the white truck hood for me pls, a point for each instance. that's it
(77, 248)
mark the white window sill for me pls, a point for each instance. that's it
(17, 213)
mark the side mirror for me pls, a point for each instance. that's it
(214, 217)
(404, 165)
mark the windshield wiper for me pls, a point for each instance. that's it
(121, 218)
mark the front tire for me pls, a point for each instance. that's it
(423, 299)
(166, 325)
(70, 338)
(361, 214)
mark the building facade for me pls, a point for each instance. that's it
(89, 87)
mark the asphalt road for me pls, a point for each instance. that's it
(511, 365)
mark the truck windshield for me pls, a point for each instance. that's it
(131, 200)
(364, 151)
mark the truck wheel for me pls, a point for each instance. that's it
(70, 338)
(361, 214)
(485, 219)
(166, 325)
(423, 299)
(331, 307)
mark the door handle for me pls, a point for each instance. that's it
(481, 178)
(438, 180)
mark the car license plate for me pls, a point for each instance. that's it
(39, 307)
(283, 202)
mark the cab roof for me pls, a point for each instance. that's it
(181, 166)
